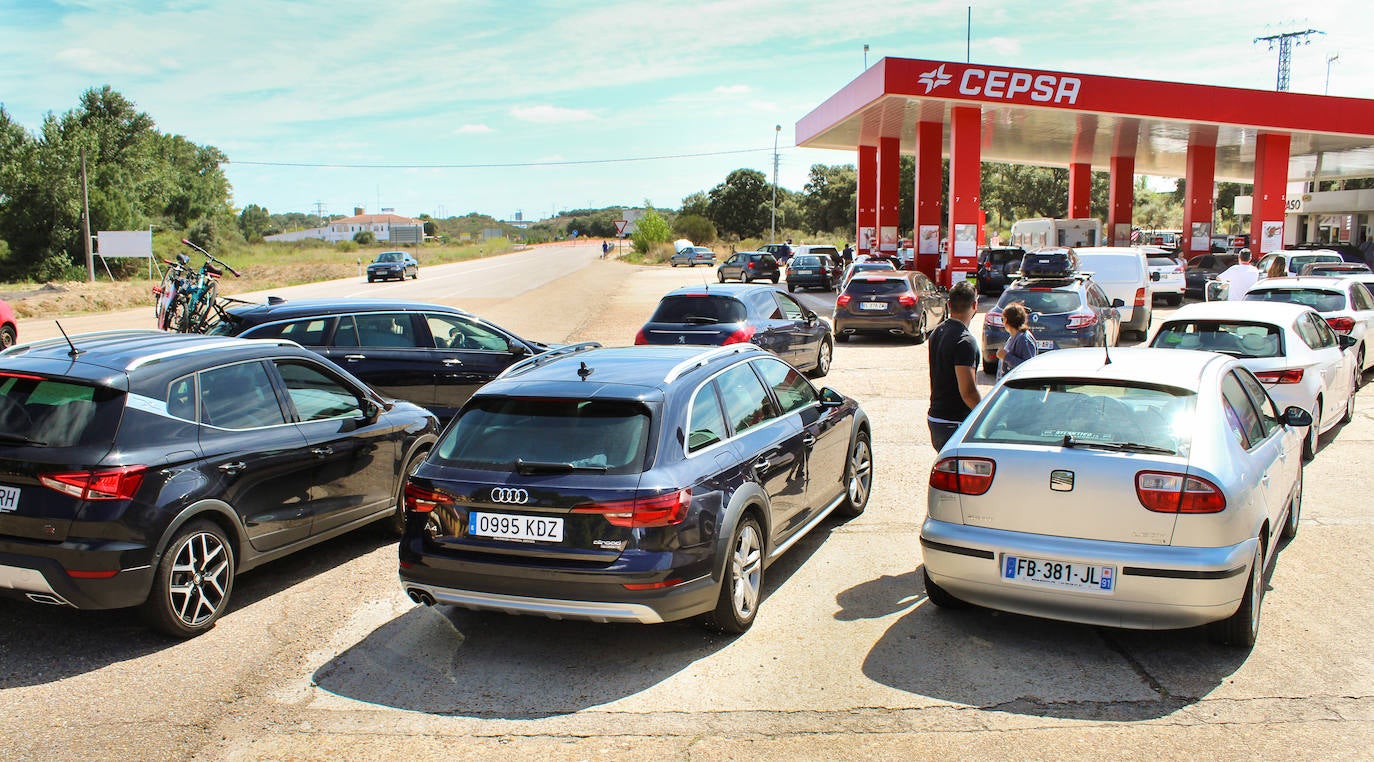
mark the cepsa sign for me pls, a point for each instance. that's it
(1006, 85)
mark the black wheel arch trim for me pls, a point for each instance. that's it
(229, 521)
(749, 496)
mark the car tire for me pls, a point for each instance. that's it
(858, 477)
(843, 338)
(775, 279)
(746, 278)
(1349, 414)
(720, 275)
(416, 276)
(791, 288)
(1290, 526)
(673, 264)
(197, 570)
(920, 336)
(990, 367)
(7, 337)
(940, 596)
(370, 279)
(396, 522)
(1359, 369)
(1242, 628)
(824, 355)
(1309, 442)
(741, 584)
(1173, 300)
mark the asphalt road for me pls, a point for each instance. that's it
(323, 657)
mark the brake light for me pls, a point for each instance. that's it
(1140, 297)
(107, 484)
(640, 338)
(1082, 320)
(658, 510)
(1178, 269)
(1165, 492)
(421, 500)
(740, 336)
(82, 574)
(1289, 376)
(965, 476)
(906, 300)
(1341, 324)
(844, 300)
(751, 265)
(652, 585)
(21, 376)
(993, 319)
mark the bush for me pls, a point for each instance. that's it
(651, 229)
(695, 228)
(346, 246)
(58, 267)
(364, 238)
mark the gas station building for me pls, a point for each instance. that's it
(972, 112)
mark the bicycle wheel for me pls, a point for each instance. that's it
(162, 296)
(202, 315)
(175, 316)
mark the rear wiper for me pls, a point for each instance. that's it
(699, 320)
(5, 436)
(1070, 441)
(538, 467)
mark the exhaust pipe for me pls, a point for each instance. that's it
(420, 596)
(47, 600)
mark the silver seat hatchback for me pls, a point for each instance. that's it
(1149, 492)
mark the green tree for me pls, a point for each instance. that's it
(652, 228)
(696, 203)
(828, 199)
(740, 206)
(695, 228)
(254, 221)
(364, 238)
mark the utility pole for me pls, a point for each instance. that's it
(773, 221)
(1329, 59)
(1285, 42)
(865, 56)
(86, 221)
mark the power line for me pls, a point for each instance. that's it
(506, 165)
(1284, 41)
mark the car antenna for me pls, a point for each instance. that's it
(1106, 352)
(584, 371)
(75, 352)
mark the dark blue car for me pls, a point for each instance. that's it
(1064, 312)
(634, 484)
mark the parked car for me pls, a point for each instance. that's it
(661, 490)
(393, 264)
(1121, 495)
(1123, 274)
(9, 331)
(1166, 274)
(830, 253)
(1295, 260)
(1335, 269)
(868, 265)
(1064, 312)
(1288, 347)
(1345, 304)
(693, 256)
(151, 469)
(811, 271)
(905, 304)
(749, 266)
(780, 251)
(997, 266)
(429, 354)
(1203, 268)
(1347, 251)
(740, 313)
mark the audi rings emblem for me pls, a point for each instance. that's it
(510, 496)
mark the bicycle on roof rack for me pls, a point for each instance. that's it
(194, 304)
(165, 293)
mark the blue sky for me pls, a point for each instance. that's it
(432, 82)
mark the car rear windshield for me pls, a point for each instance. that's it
(44, 412)
(1043, 302)
(825, 251)
(1162, 262)
(1319, 300)
(862, 286)
(1070, 413)
(806, 262)
(1236, 339)
(548, 436)
(698, 309)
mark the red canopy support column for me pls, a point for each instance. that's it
(1121, 201)
(866, 216)
(965, 160)
(1271, 191)
(926, 228)
(1080, 190)
(1198, 184)
(889, 193)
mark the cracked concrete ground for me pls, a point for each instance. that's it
(323, 657)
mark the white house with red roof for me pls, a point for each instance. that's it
(343, 229)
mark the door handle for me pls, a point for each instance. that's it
(762, 464)
(808, 440)
(323, 452)
(452, 361)
(351, 358)
(232, 468)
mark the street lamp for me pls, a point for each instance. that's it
(1333, 57)
(773, 221)
(865, 56)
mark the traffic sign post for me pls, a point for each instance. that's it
(620, 227)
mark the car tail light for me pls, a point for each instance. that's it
(1140, 297)
(1178, 269)
(656, 510)
(421, 500)
(89, 574)
(751, 265)
(21, 376)
(640, 338)
(740, 336)
(844, 300)
(1341, 324)
(906, 300)
(965, 476)
(1082, 320)
(106, 484)
(1289, 376)
(993, 319)
(652, 585)
(1165, 492)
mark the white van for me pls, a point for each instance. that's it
(1123, 273)
(1044, 232)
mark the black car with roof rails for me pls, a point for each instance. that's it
(430, 354)
(735, 313)
(141, 468)
(632, 484)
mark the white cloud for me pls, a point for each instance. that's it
(551, 114)
(473, 129)
(732, 90)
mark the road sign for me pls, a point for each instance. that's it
(620, 226)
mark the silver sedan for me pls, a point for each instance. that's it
(1149, 492)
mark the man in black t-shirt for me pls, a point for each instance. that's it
(953, 366)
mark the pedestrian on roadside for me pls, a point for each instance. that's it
(786, 252)
(605, 248)
(1020, 345)
(1239, 277)
(954, 358)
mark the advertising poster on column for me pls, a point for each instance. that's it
(866, 239)
(1271, 237)
(930, 240)
(887, 238)
(1201, 236)
(965, 240)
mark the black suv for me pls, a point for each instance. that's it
(996, 266)
(140, 468)
(746, 266)
(634, 484)
(734, 314)
(431, 355)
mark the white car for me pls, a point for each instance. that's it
(1166, 274)
(1121, 272)
(1345, 303)
(1289, 348)
(1149, 493)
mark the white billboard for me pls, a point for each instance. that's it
(124, 243)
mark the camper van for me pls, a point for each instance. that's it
(1044, 232)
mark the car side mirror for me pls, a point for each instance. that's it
(831, 398)
(1118, 302)
(1297, 417)
(1346, 341)
(370, 409)
(517, 350)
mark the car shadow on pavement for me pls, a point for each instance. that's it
(43, 644)
(449, 661)
(1022, 665)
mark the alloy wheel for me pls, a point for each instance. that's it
(860, 473)
(746, 572)
(200, 579)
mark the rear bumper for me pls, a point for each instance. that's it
(1157, 587)
(39, 574)
(907, 324)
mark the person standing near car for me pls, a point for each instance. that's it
(954, 358)
(847, 256)
(1278, 268)
(1020, 345)
(1239, 277)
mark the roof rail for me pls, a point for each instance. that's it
(228, 341)
(696, 361)
(59, 341)
(534, 361)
